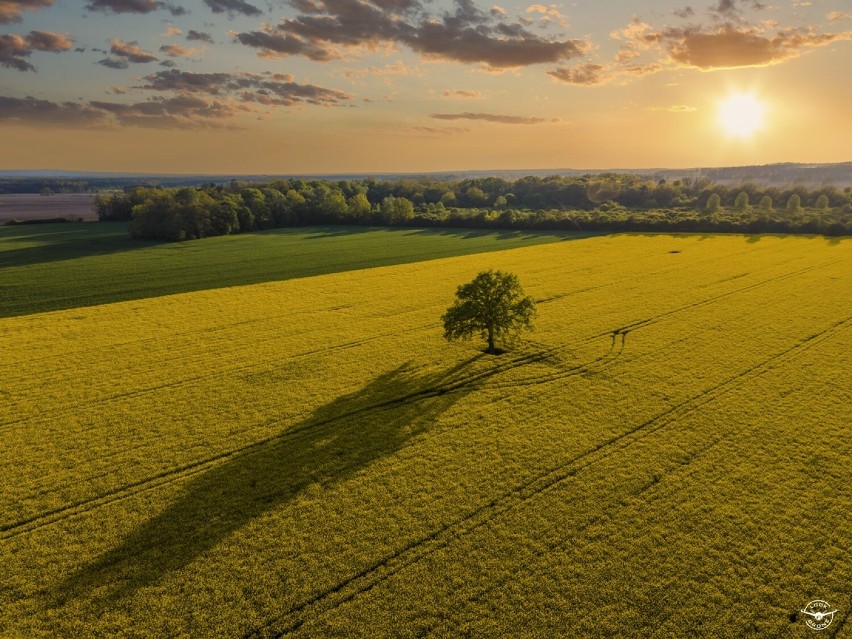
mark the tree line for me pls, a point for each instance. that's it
(608, 202)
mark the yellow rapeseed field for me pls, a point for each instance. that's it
(669, 454)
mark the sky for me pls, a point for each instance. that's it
(360, 86)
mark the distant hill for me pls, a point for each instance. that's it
(784, 174)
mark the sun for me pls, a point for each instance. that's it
(741, 115)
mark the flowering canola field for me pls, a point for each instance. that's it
(667, 455)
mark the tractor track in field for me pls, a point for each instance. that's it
(331, 598)
(35, 521)
(600, 364)
(622, 330)
(209, 376)
(266, 319)
(678, 467)
(44, 518)
(559, 296)
(620, 335)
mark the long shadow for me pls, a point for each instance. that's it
(498, 234)
(180, 267)
(57, 242)
(322, 232)
(336, 441)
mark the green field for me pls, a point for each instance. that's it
(59, 266)
(668, 455)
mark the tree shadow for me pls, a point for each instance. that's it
(499, 234)
(57, 242)
(336, 441)
(321, 232)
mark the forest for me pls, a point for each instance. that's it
(604, 202)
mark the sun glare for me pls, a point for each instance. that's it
(741, 115)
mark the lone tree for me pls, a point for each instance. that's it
(492, 306)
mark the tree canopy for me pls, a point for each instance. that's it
(493, 306)
(607, 202)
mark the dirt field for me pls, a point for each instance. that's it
(27, 206)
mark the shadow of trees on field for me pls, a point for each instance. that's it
(462, 233)
(168, 268)
(499, 234)
(336, 441)
(58, 242)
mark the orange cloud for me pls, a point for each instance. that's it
(838, 15)
(729, 47)
(326, 27)
(11, 10)
(131, 52)
(14, 48)
(492, 117)
(177, 51)
(396, 68)
(587, 74)
(462, 94)
(723, 47)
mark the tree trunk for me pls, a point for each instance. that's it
(491, 340)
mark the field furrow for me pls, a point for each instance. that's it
(310, 457)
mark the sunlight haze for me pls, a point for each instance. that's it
(313, 86)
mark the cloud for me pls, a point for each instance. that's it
(328, 27)
(462, 94)
(160, 112)
(113, 63)
(272, 45)
(551, 12)
(167, 112)
(838, 15)
(30, 110)
(233, 7)
(540, 8)
(498, 11)
(397, 68)
(15, 48)
(720, 47)
(491, 117)
(11, 10)
(439, 131)
(424, 131)
(177, 51)
(172, 31)
(587, 74)
(49, 41)
(639, 70)
(199, 36)
(728, 9)
(131, 52)
(186, 81)
(725, 8)
(636, 37)
(133, 6)
(266, 89)
(729, 47)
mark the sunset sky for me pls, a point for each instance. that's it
(323, 86)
